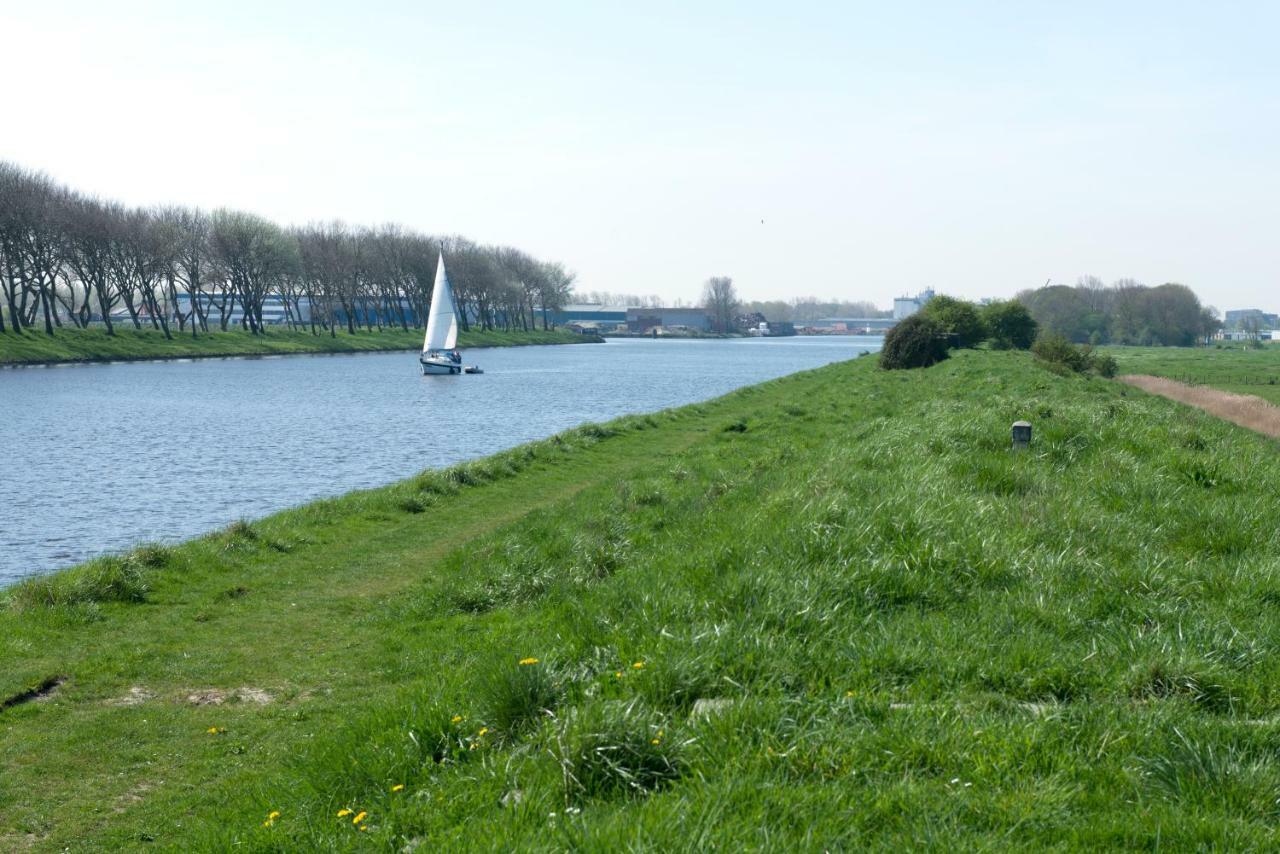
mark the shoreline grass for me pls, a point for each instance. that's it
(94, 345)
(830, 611)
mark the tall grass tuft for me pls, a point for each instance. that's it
(517, 697)
(611, 749)
(104, 579)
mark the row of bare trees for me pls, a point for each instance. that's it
(68, 259)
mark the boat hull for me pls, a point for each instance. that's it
(440, 366)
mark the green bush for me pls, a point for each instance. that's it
(958, 319)
(1061, 356)
(1010, 325)
(916, 342)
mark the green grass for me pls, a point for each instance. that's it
(1232, 368)
(833, 611)
(94, 345)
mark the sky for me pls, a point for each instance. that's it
(843, 150)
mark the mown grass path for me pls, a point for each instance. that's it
(1246, 410)
(94, 345)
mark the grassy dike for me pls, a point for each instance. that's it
(94, 345)
(829, 611)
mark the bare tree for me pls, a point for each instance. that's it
(720, 299)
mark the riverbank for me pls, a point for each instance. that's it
(94, 345)
(832, 610)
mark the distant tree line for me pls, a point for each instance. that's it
(1126, 312)
(69, 259)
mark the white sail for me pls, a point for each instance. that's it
(442, 320)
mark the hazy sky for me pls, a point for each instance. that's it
(978, 148)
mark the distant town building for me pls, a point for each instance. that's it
(851, 325)
(590, 317)
(644, 320)
(1238, 318)
(905, 306)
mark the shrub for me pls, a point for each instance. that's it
(957, 318)
(1061, 356)
(1010, 325)
(916, 342)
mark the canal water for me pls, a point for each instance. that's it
(102, 457)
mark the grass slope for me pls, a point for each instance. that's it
(830, 611)
(94, 345)
(1235, 369)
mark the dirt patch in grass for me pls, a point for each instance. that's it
(137, 696)
(1243, 409)
(218, 696)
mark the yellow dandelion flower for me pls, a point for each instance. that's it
(481, 733)
(364, 827)
(618, 675)
(525, 661)
(639, 665)
(455, 719)
(656, 741)
(213, 730)
(343, 813)
(273, 815)
(397, 787)
(359, 817)
(848, 693)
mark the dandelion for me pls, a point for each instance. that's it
(359, 817)
(214, 730)
(271, 818)
(848, 693)
(364, 827)
(397, 787)
(527, 661)
(455, 719)
(639, 665)
(658, 739)
(618, 675)
(343, 813)
(481, 733)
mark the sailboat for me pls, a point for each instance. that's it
(439, 348)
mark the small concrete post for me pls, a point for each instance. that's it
(1021, 435)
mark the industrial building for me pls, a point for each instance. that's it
(645, 320)
(905, 306)
(850, 325)
(1254, 317)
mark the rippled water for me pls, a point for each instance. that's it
(101, 457)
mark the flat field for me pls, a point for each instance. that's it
(1232, 368)
(832, 611)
